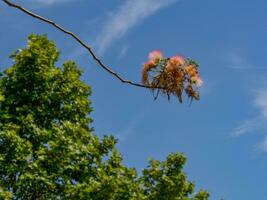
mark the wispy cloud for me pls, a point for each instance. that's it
(123, 51)
(257, 123)
(127, 16)
(248, 126)
(48, 2)
(236, 59)
(263, 145)
(261, 102)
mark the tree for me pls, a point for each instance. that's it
(48, 149)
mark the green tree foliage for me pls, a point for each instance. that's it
(48, 149)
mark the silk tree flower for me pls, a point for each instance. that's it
(191, 70)
(175, 62)
(155, 56)
(149, 64)
(146, 67)
(171, 76)
(196, 80)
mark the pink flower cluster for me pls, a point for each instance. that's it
(174, 73)
(174, 63)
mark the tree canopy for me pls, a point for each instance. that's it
(47, 146)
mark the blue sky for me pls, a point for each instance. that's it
(224, 135)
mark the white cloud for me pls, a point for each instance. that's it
(257, 123)
(236, 58)
(128, 15)
(263, 145)
(48, 2)
(247, 127)
(123, 51)
(261, 102)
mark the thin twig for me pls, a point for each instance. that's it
(75, 37)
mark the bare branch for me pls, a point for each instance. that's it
(75, 37)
